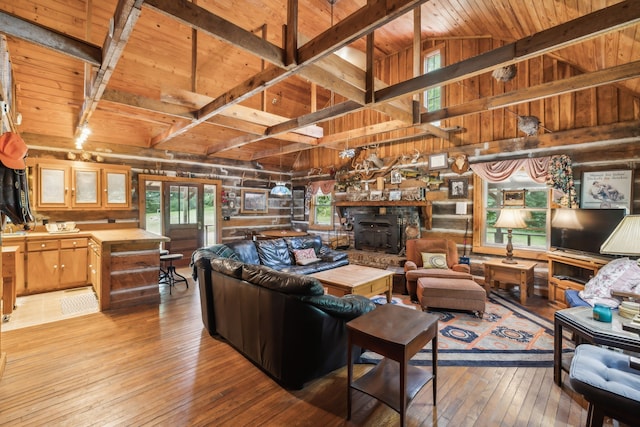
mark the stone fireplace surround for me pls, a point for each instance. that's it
(406, 216)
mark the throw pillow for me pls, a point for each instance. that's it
(621, 274)
(430, 260)
(305, 256)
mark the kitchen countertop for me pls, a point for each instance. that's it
(103, 236)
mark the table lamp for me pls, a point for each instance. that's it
(510, 219)
(625, 239)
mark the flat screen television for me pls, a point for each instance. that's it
(583, 230)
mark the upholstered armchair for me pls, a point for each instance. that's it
(436, 266)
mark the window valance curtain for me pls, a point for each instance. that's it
(498, 171)
(325, 186)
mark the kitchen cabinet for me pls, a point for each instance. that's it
(56, 264)
(63, 184)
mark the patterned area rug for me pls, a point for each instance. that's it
(82, 303)
(508, 335)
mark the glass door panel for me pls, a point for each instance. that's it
(210, 214)
(153, 207)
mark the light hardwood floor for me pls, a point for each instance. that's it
(158, 366)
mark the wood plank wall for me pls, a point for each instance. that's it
(592, 107)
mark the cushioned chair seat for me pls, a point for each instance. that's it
(573, 299)
(417, 249)
(455, 294)
(608, 383)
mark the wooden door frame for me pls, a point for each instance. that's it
(143, 178)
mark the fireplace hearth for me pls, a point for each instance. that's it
(378, 233)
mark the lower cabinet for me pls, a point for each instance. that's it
(56, 264)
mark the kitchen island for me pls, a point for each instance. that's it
(122, 265)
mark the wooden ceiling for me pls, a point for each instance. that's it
(212, 79)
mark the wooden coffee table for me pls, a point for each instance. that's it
(397, 333)
(356, 279)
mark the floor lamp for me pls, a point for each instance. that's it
(510, 219)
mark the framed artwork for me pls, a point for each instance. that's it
(607, 189)
(438, 161)
(255, 201)
(396, 177)
(395, 195)
(513, 198)
(458, 188)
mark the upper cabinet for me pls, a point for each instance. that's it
(61, 184)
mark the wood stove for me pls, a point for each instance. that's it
(376, 233)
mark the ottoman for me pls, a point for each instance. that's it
(455, 294)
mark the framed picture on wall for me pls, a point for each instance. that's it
(255, 201)
(458, 188)
(607, 189)
(513, 198)
(438, 161)
(396, 177)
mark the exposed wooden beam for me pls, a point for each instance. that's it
(571, 84)
(34, 33)
(369, 83)
(551, 143)
(201, 19)
(241, 118)
(373, 15)
(125, 18)
(291, 34)
(356, 25)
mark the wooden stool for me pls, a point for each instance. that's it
(169, 275)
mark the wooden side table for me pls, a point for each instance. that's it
(397, 333)
(520, 274)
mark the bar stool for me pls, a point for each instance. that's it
(168, 274)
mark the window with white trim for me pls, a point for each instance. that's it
(433, 96)
(535, 210)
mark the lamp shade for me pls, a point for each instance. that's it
(280, 190)
(566, 218)
(625, 239)
(510, 218)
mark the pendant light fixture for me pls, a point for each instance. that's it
(281, 188)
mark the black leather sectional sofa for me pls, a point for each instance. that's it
(281, 320)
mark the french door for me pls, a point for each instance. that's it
(186, 210)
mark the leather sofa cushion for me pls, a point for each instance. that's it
(330, 255)
(227, 266)
(245, 250)
(287, 283)
(273, 253)
(304, 242)
(346, 307)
